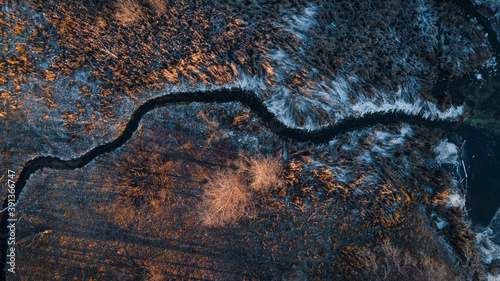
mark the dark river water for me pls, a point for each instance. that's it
(481, 152)
(482, 161)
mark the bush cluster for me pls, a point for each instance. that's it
(229, 192)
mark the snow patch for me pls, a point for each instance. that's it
(365, 157)
(456, 200)
(440, 223)
(493, 278)
(447, 153)
(303, 23)
(393, 139)
(491, 251)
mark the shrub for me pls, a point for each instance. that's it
(228, 192)
(158, 6)
(225, 199)
(153, 272)
(262, 172)
(128, 12)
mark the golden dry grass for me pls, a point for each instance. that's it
(229, 192)
(262, 172)
(128, 12)
(159, 6)
(142, 221)
(225, 199)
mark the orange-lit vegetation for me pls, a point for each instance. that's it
(164, 42)
(142, 212)
(132, 47)
(39, 96)
(201, 191)
(362, 229)
(226, 199)
(229, 192)
(136, 211)
(128, 12)
(128, 48)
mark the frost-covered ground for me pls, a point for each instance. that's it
(72, 110)
(73, 100)
(72, 74)
(342, 197)
(316, 64)
(489, 245)
(353, 189)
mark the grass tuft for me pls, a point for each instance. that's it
(128, 12)
(262, 172)
(158, 6)
(226, 198)
(229, 192)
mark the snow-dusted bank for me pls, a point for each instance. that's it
(304, 93)
(488, 243)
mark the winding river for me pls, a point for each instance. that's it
(481, 175)
(246, 98)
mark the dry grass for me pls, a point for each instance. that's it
(263, 172)
(225, 199)
(154, 272)
(229, 192)
(441, 198)
(142, 221)
(158, 6)
(393, 263)
(216, 42)
(128, 12)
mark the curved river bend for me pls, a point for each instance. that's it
(477, 136)
(248, 99)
